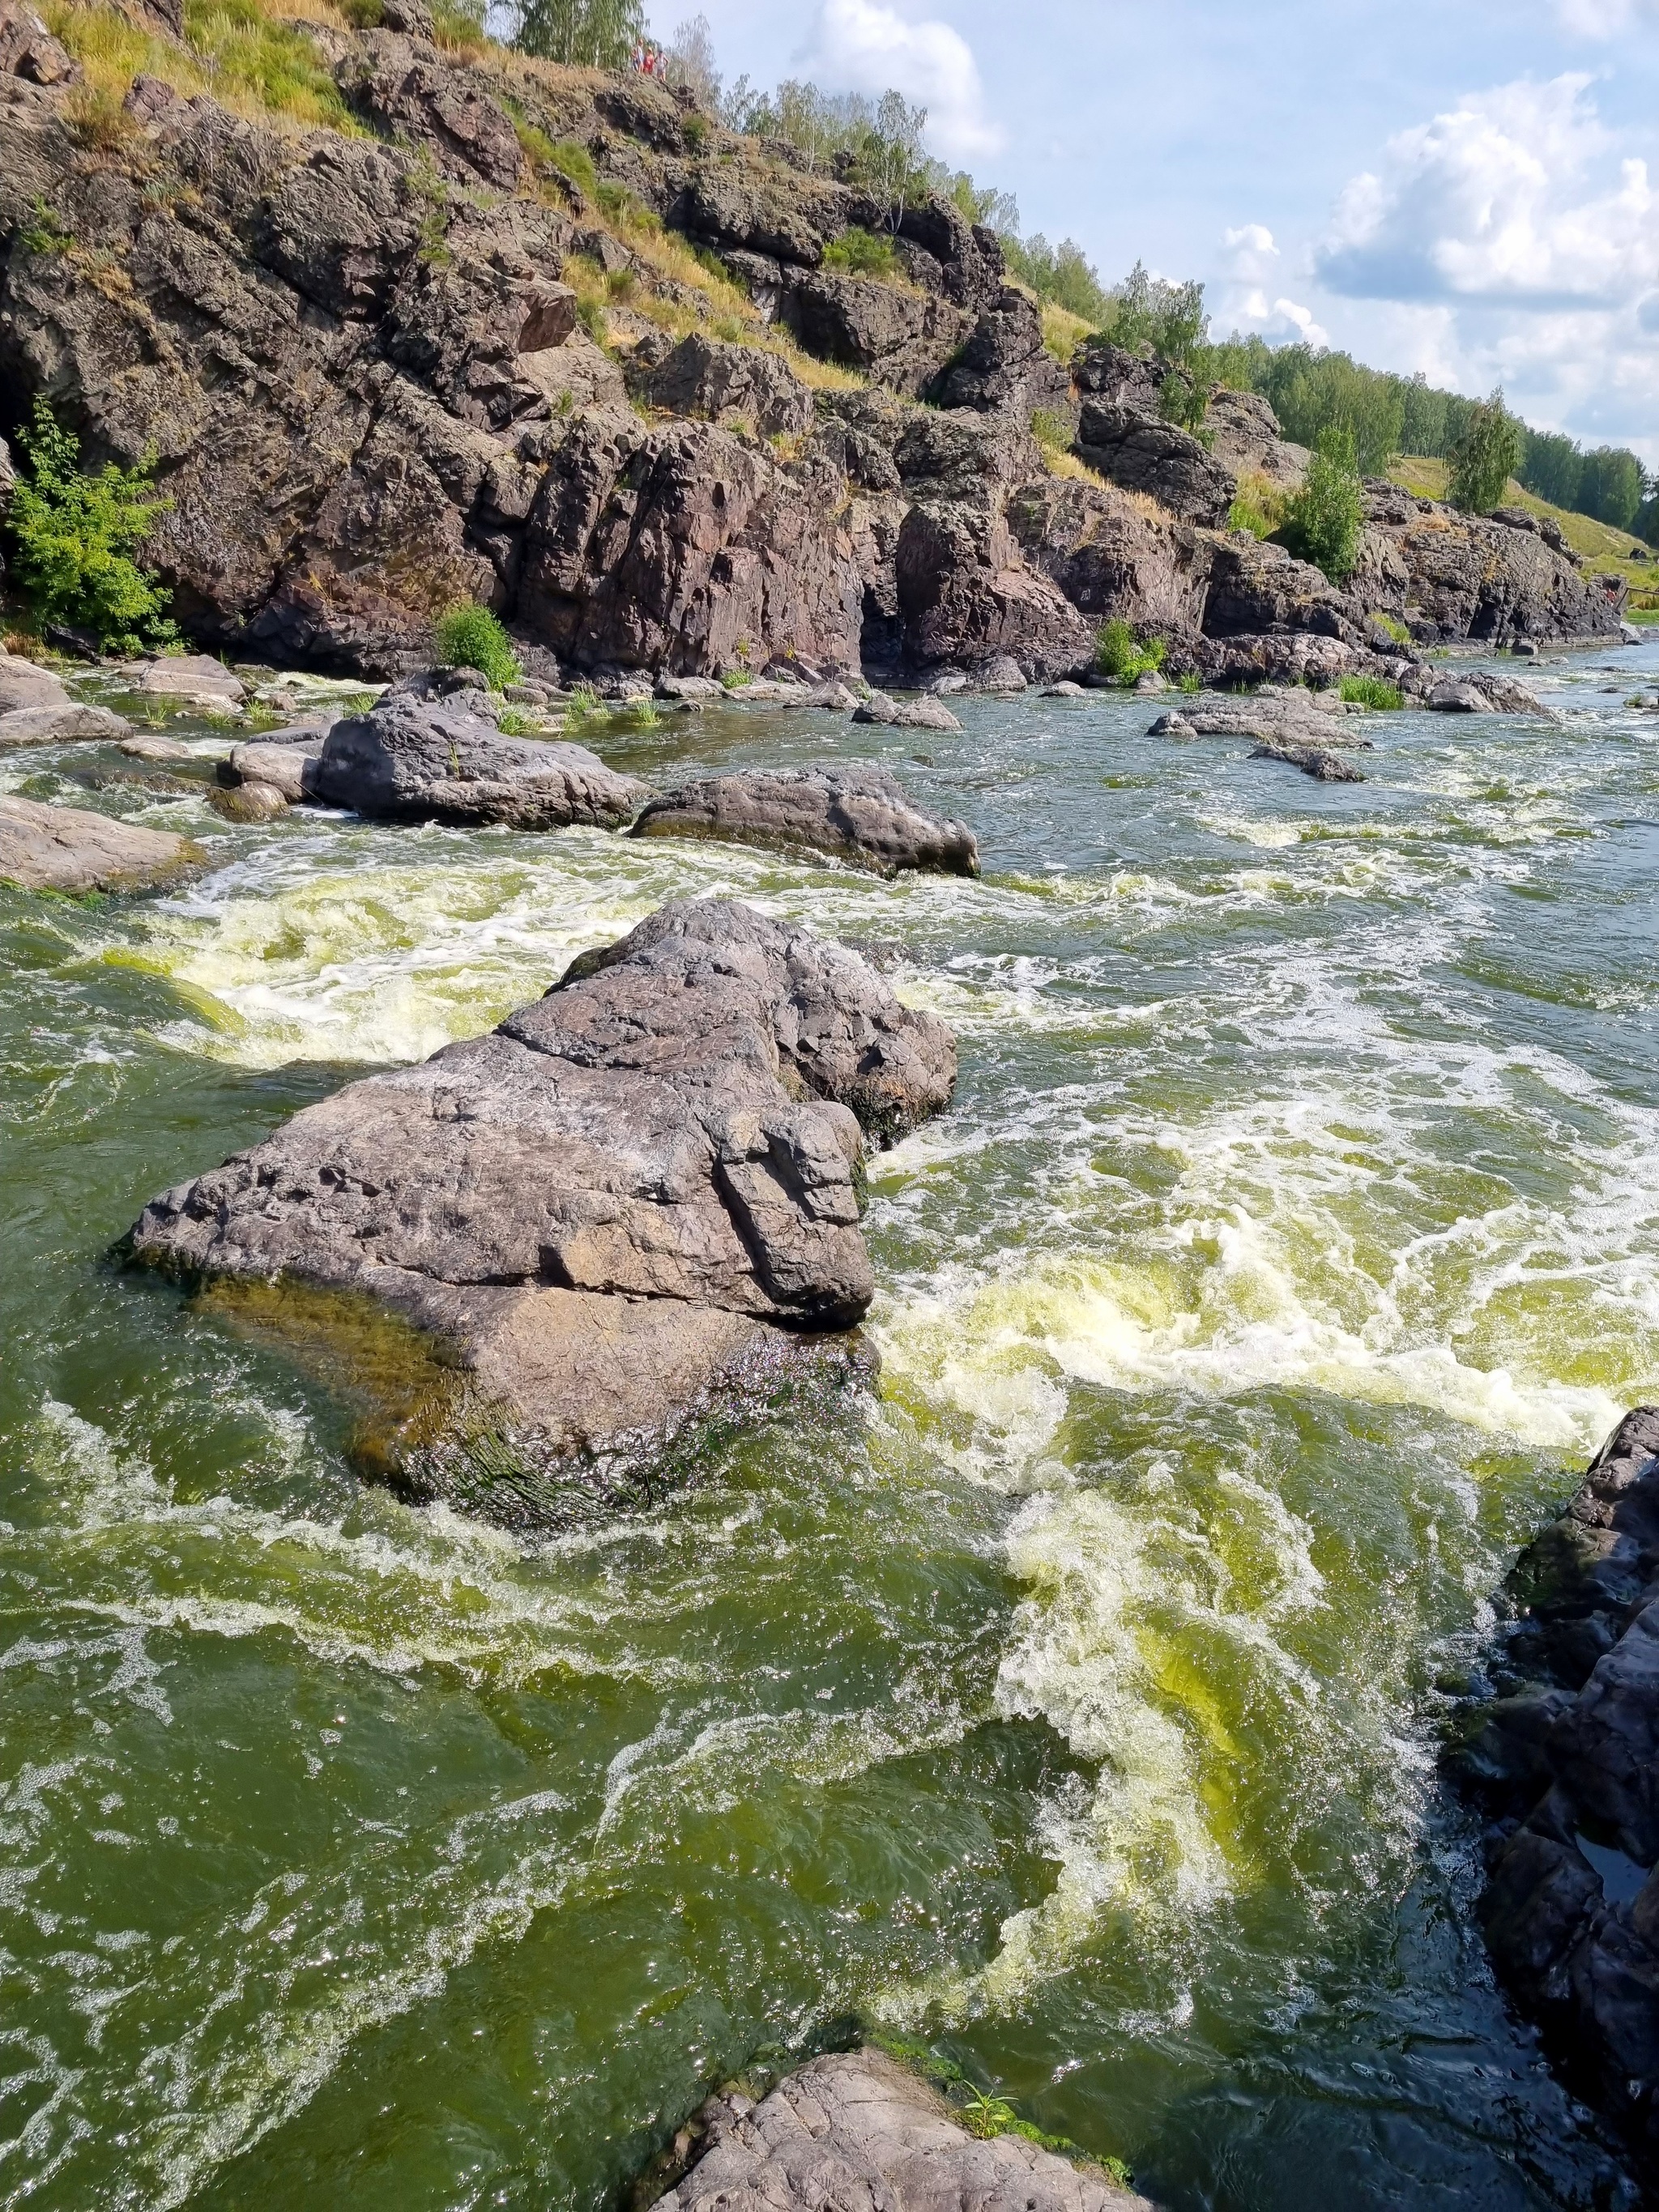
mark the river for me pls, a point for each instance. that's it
(1290, 1245)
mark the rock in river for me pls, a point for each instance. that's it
(858, 814)
(633, 1204)
(855, 2131)
(427, 760)
(61, 848)
(1566, 1762)
(1317, 761)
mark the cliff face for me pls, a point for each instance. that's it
(371, 393)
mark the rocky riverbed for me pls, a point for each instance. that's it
(1065, 1698)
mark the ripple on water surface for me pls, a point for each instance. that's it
(1292, 1238)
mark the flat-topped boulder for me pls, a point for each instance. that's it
(25, 683)
(925, 712)
(427, 760)
(288, 768)
(1564, 1761)
(857, 2132)
(633, 1204)
(190, 679)
(64, 721)
(65, 848)
(856, 813)
(1276, 715)
(1483, 694)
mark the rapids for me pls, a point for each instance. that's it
(1292, 1242)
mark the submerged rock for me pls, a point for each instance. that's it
(856, 2131)
(421, 760)
(249, 801)
(1317, 761)
(62, 848)
(856, 813)
(635, 1203)
(1565, 1762)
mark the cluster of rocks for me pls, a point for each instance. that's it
(855, 2131)
(370, 396)
(1563, 1759)
(631, 1209)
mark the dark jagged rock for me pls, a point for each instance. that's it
(1317, 761)
(1479, 693)
(724, 383)
(1004, 367)
(635, 1200)
(1451, 576)
(896, 337)
(1564, 1761)
(1112, 556)
(1261, 590)
(927, 712)
(401, 84)
(414, 760)
(62, 848)
(1245, 437)
(855, 2131)
(857, 813)
(1145, 453)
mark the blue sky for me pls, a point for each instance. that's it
(1462, 186)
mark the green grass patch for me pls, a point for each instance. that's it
(1120, 654)
(1372, 691)
(861, 252)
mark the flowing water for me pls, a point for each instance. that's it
(1292, 1242)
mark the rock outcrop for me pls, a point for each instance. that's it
(419, 760)
(1564, 1761)
(65, 849)
(36, 708)
(858, 2132)
(1450, 576)
(857, 814)
(1290, 714)
(1123, 435)
(635, 1200)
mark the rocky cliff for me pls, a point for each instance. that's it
(553, 341)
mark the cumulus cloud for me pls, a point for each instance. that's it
(1510, 196)
(1249, 265)
(867, 45)
(1250, 253)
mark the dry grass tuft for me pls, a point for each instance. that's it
(1063, 331)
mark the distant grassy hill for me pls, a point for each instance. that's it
(1606, 551)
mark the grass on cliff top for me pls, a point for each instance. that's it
(1604, 549)
(236, 50)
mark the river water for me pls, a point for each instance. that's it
(1292, 1242)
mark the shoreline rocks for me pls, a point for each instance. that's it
(672, 1138)
(420, 760)
(857, 2131)
(1563, 1758)
(66, 848)
(860, 815)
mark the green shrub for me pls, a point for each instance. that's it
(471, 637)
(44, 233)
(1121, 655)
(76, 535)
(861, 253)
(1322, 524)
(642, 714)
(695, 128)
(734, 679)
(590, 315)
(1397, 630)
(1372, 691)
(1192, 681)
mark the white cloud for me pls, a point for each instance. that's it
(1508, 197)
(1602, 19)
(1251, 253)
(865, 46)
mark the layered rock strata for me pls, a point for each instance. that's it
(1564, 1761)
(635, 1203)
(855, 2131)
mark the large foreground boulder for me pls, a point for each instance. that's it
(63, 848)
(856, 2132)
(633, 1204)
(426, 760)
(860, 815)
(1565, 1762)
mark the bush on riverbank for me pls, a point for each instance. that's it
(1322, 522)
(471, 637)
(1372, 691)
(1121, 655)
(74, 535)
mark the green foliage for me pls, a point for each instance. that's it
(642, 714)
(1321, 523)
(1372, 691)
(1121, 655)
(279, 64)
(1486, 457)
(74, 537)
(582, 704)
(569, 158)
(599, 34)
(1061, 275)
(471, 637)
(1398, 631)
(1611, 482)
(590, 315)
(695, 128)
(862, 255)
(1145, 311)
(735, 679)
(1052, 430)
(1192, 681)
(1259, 507)
(44, 233)
(512, 723)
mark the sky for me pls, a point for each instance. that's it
(1466, 187)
